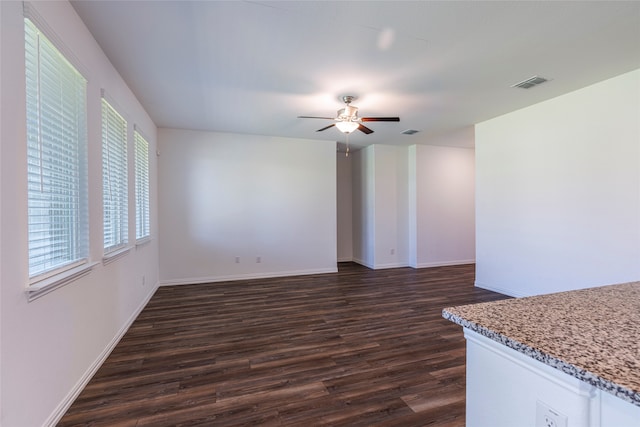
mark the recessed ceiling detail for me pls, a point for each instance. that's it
(530, 82)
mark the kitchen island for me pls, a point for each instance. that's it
(564, 359)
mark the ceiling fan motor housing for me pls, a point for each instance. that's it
(348, 113)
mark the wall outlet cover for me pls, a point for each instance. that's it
(549, 417)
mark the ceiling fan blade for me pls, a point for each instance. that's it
(326, 127)
(313, 117)
(364, 129)
(380, 119)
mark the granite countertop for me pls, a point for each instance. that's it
(591, 334)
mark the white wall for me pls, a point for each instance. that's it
(344, 208)
(401, 257)
(558, 192)
(224, 196)
(363, 171)
(413, 206)
(390, 205)
(443, 214)
(380, 206)
(51, 346)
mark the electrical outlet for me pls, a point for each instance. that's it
(392, 251)
(548, 417)
(258, 260)
(237, 260)
(144, 280)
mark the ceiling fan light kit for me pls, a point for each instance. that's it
(347, 119)
(347, 127)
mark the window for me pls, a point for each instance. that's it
(56, 158)
(114, 178)
(142, 186)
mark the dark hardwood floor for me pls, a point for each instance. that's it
(355, 348)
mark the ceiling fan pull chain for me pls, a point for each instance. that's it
(346, 154)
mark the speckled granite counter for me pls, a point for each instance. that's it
(591, 334)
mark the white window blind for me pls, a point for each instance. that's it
(114, 178)
(56, 156)
(142, 186)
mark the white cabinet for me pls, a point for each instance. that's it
(505, 386)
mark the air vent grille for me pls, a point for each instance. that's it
(530, 82)
(409, 132)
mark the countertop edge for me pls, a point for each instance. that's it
(556, 363)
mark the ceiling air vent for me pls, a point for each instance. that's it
(409, 132)
(530, 82)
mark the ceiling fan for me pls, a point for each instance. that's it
(348, 121)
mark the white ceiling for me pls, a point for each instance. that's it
(253, 66)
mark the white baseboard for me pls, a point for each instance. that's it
(245, 276)
(499, 290)
(347, 259)
(62, 408)
(362, 262)
(390, 265)
(381, 266)
(444, 263)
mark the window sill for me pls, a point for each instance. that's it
(42, 287)
(143, 241)
(117, 254)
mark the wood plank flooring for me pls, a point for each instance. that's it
(359, 347)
